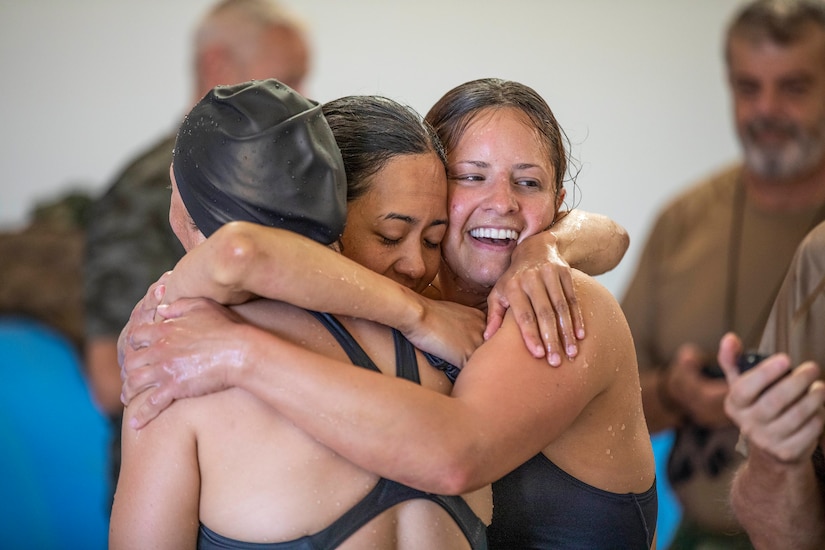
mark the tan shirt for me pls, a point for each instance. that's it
(680, 293)
(797, 321)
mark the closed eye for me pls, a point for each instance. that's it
(389, 242)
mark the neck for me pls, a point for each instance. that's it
(787, 195)
(457, 290)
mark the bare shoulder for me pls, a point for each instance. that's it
(592, 293)
(605, 324)
(171, 424)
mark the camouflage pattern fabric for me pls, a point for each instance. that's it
(129, 241)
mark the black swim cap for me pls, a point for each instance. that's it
(261, 152)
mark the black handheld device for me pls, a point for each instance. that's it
(745, 362)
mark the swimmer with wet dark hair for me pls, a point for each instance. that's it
(227, 468)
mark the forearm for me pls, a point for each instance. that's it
(244, 258)
(346, 408)
(779, 505)
(590, 242)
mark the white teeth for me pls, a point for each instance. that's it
(488, 233)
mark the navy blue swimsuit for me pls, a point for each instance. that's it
(385, 494)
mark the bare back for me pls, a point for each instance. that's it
(257, 477)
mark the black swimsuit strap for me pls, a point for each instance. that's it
(382, 497)
(385, 495)
(406, 363)
(352, 348)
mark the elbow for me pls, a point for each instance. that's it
(623, 239)
(458, 481)
(459, 474)
(235, 249)
(618, 243)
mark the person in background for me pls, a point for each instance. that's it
(129, 243)
(717, 254)
(778, 494)
(44, 280)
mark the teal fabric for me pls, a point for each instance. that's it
(670, 512)
(54, 444)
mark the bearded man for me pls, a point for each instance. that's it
(718, 253)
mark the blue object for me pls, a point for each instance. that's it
(54, 444)
(670, 511)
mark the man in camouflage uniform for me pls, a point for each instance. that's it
(129, 241)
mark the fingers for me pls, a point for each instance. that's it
(793, 432)
(794, 447)
(522, 309)
(182, 306)
(136, 378)
(730, 347)
(565, 311)
(154, 297)
(553, 323)
(496, 308)
(750, 387)
(157, 401)
(544, 306)
(782, 416)
(575, 308)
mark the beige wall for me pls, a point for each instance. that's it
(637, 84)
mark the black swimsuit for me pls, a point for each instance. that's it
(385, 494)
(540, 506)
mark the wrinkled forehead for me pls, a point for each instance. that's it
(805, 37)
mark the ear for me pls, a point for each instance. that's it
(560, 198)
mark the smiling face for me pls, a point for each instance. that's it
(502, 190)
(397, 226)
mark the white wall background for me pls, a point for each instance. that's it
(637, 84)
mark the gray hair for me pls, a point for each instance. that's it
(782, 22)
(239, 23)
